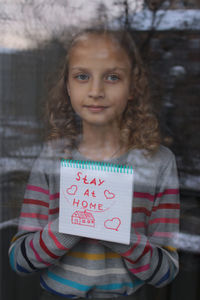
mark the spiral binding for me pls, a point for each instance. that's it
(97, 166)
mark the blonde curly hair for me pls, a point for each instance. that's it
(139, 127)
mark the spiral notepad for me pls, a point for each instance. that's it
(96, 200)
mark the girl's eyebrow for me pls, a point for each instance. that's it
(107, 70)
(79, 68)
(117, 69)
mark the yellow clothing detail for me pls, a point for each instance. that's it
(93, 256)
(170, 248)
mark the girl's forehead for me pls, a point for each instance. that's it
(98, 38)
(100, 47)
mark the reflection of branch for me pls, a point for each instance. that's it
(34, 17)
(125, 7)
(154, 24)
(4, 17)
(137, 5)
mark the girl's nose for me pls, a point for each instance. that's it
(96, 90)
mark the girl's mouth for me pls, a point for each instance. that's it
(95, 108)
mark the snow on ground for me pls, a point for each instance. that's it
(180, 19)
(190, 182)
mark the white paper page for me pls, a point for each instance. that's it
(96, 201)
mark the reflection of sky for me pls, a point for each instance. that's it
(24, 22)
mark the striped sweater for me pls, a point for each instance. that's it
(75, 267)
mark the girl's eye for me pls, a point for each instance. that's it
(113, 77)
(82, 77)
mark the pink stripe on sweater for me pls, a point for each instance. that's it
(37, 255)
(54, 196)
(54, 211)
(140, 269)
(152, 197)
(29, 228)
(34, 216)
(144, 195)
(127, 253)
(146, 250)
(37, 189)
(138, 225)
(166, 206)
(141, 209)
(57, 243)
(168, 192)
(165, 221)
(36, 202)
(163, 234)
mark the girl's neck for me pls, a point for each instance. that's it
(100, 143)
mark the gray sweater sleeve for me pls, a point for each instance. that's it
(38, 244)
(152, 256)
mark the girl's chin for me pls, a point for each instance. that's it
(101, 123)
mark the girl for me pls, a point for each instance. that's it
(102, 97)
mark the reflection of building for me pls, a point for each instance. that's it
(184, 4)
(83, 218)
(173, 4)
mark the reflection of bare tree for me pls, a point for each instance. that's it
(36, 20)
(125, 11)
(38, 14)
(102, 14)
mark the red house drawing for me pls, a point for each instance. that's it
(83, 218)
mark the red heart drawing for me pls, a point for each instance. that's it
(113, 223)
(109, 195)
(72, 190)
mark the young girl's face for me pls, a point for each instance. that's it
(99, 80)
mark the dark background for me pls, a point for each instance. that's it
(173, 59)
